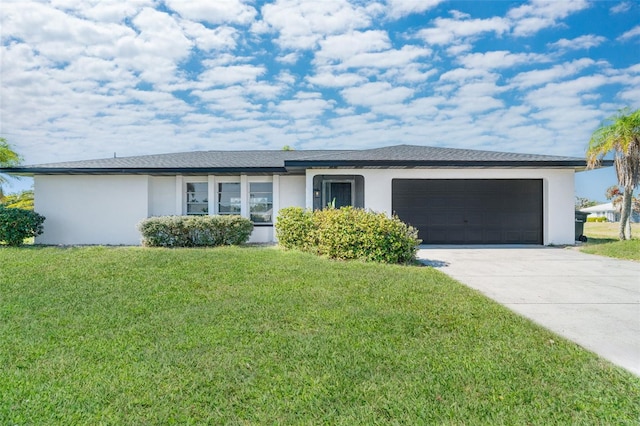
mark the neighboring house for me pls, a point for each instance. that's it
(609, 211)
(603, 210)
(453, 196)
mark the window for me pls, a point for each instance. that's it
(261, 202)
(229, 198)
(197, 198)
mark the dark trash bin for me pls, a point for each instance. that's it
(581, 218)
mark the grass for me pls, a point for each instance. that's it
(603, 240)
(261, 336)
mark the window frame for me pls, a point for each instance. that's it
(251, 204)
(219, 191)
(188, 203)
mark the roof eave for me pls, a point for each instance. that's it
(31, 171)
(436, 164)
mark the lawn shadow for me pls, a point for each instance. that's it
(594, 241)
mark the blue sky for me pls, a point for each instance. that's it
(83, 79)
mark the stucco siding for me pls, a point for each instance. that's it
(558, 190)
(91, 209)
(292, 191)
(162, 195)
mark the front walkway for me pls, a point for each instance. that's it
(591, 300)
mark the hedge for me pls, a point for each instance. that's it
(18, 224)
(195, 231)
(347, 233)
(597, 219)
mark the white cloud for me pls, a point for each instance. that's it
(633, 32)
(214, 12)
(300, 24)
(289, 59)
(448, 31)
(329, 79)
(389, 58)
(400, 8)
(500, 59)
(103, 10)
(56, 35)
(621, 7)
(460, 75)
(304, 105)
(540, 77)
(220, 38)
(378, 93)
(341, 47)
(538, 14)
(578, 43)
(229, 75)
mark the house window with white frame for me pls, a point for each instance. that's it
(229, 198)
(197, 198)
(261, 202)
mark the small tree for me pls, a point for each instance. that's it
(8, 158)
(582, 203)
(18, 224)
(615, 195)
(620, 135)
(23, 200)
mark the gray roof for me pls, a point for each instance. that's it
(296, 161)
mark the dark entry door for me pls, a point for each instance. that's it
(341, 193)
(471, 211)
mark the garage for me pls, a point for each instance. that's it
(471, 211)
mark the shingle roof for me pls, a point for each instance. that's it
(414, 155)
(289, 161)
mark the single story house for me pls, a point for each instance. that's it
(453, 196)
(603, 210)
(610, 212)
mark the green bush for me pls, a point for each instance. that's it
(18, 224)
(348, 233)
(294, 228)
(195, 231)
(597, 219)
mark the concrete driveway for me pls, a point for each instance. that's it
(591, 300)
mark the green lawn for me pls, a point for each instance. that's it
(261, 336)
(603, 240)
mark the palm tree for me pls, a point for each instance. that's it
(620, 134)
(8, 158)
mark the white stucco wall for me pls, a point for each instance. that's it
(292, 192)
(162, 195)
(558, 191)
(106, 209)
(91, 209)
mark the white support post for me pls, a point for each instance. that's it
(179, 195)
(212, 194)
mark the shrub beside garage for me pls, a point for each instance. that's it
(18, 224)
(347, 233)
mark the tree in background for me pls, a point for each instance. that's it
(615, 195)
(8, 158)
(620, 135)
(582, 203)
(23, 200)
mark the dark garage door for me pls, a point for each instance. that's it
(471, 211)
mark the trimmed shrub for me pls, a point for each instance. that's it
(294, 228)
(348, 233)
(597, 219)
(195, 231)
(18, 224)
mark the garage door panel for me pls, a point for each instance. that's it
(471, 211)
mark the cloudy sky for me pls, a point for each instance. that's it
(83, 79)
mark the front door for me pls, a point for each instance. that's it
(338, 194)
